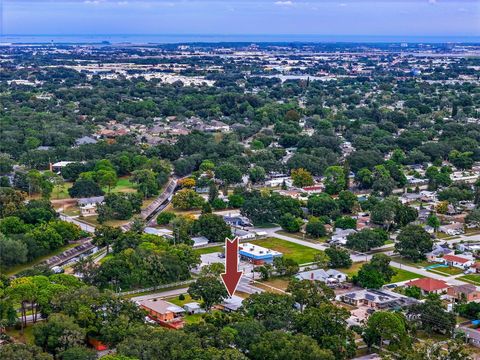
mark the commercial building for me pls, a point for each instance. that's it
(257, 255)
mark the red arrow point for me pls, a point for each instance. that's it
(232, 276)
(231, 281)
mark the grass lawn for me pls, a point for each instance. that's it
(175, 300)
(209, 250)
(193, 319)
(61, 191)
(352, 270)
(277, 282)
(300, 236)
(26, 337)
(447, 271)
(472, 278)
(404, 275)
(18, 268)
(419, 264)
(92, 220)
(123, 185)
(301, 254)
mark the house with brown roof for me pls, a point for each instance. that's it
(165, 313)
(467, 292)
(429, 285)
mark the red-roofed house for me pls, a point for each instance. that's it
(429, 285)
(457, 261)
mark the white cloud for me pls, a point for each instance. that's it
(432, 2)
(284, 3)
(342, 4)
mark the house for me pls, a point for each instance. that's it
(157, 232)
(472, 336)
(193, 308)
(455, 228)
(330, 276)
(429, 285)
(88, 206)
(340, 236)
(237, 221)
(165, 313)
(437, 253)
(57, 167)
(231, 304)
(314, 189)
(276, 182)
(243, 234)
(457, 261)
(199, 241)
(377, 299)
(466, 292)
(84, 140)
(257, 255)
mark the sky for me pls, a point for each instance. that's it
(319, 17)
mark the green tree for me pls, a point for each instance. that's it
(58, 334)
(315, 227)
(367, 239)
(339, 257)
(434, 222)
(23, 352)
(228, 173)
(165, 217)
(257, 174)
(209, 289)
(290, 223)
(346, 222)
(347, 201)
(334, 180)
(187, 199)
(310, 293)
(301, 177)
(413, 242)
(386, 326)
(278, 345)
(212, 227)
(322, 205)
(327, 324)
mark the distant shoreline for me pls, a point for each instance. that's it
(161, 39)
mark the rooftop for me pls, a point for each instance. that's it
(428, 284)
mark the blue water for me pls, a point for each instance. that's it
(212, 38)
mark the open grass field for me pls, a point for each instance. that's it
(61, 191)
(447, 271)
(472, 279)
(300, 236)
(209, 250)
(419, 264)
(123, 185)
(278, 282)
(299, 253)
(404, 275)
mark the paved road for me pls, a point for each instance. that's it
(452, 280)
(161, 294)
(82, 225)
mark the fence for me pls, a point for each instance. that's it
(159, 287)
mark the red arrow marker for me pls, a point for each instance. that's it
(232, 276)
